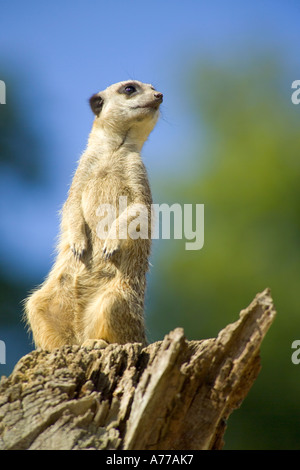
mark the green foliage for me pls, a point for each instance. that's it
(247, 177)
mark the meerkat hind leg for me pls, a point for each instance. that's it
(110, 317)
(45, 319)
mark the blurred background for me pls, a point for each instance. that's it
(228, 138)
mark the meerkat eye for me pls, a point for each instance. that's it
(129, 89)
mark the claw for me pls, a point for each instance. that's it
(78, 254)
(108, 254)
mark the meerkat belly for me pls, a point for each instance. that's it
(104, 200)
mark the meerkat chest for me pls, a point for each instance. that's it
(103, 192)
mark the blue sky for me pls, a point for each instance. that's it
(67, 50)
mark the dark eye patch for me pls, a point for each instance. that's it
(129, 89)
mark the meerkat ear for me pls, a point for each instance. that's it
(96, 103)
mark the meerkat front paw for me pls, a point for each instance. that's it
(111, 247)
(79, 247)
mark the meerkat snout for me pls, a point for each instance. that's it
(159, 96)
(155, 103)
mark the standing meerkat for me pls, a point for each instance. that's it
(96, 288)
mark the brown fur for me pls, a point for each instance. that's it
(96, 287)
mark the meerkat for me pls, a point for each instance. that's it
(96, 287)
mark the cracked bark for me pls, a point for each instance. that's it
(173, 394)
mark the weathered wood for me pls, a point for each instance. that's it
(173, 394)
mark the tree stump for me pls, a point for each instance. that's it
(172, 395)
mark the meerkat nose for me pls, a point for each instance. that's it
(159, 96)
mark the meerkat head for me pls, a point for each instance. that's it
(127, 108)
